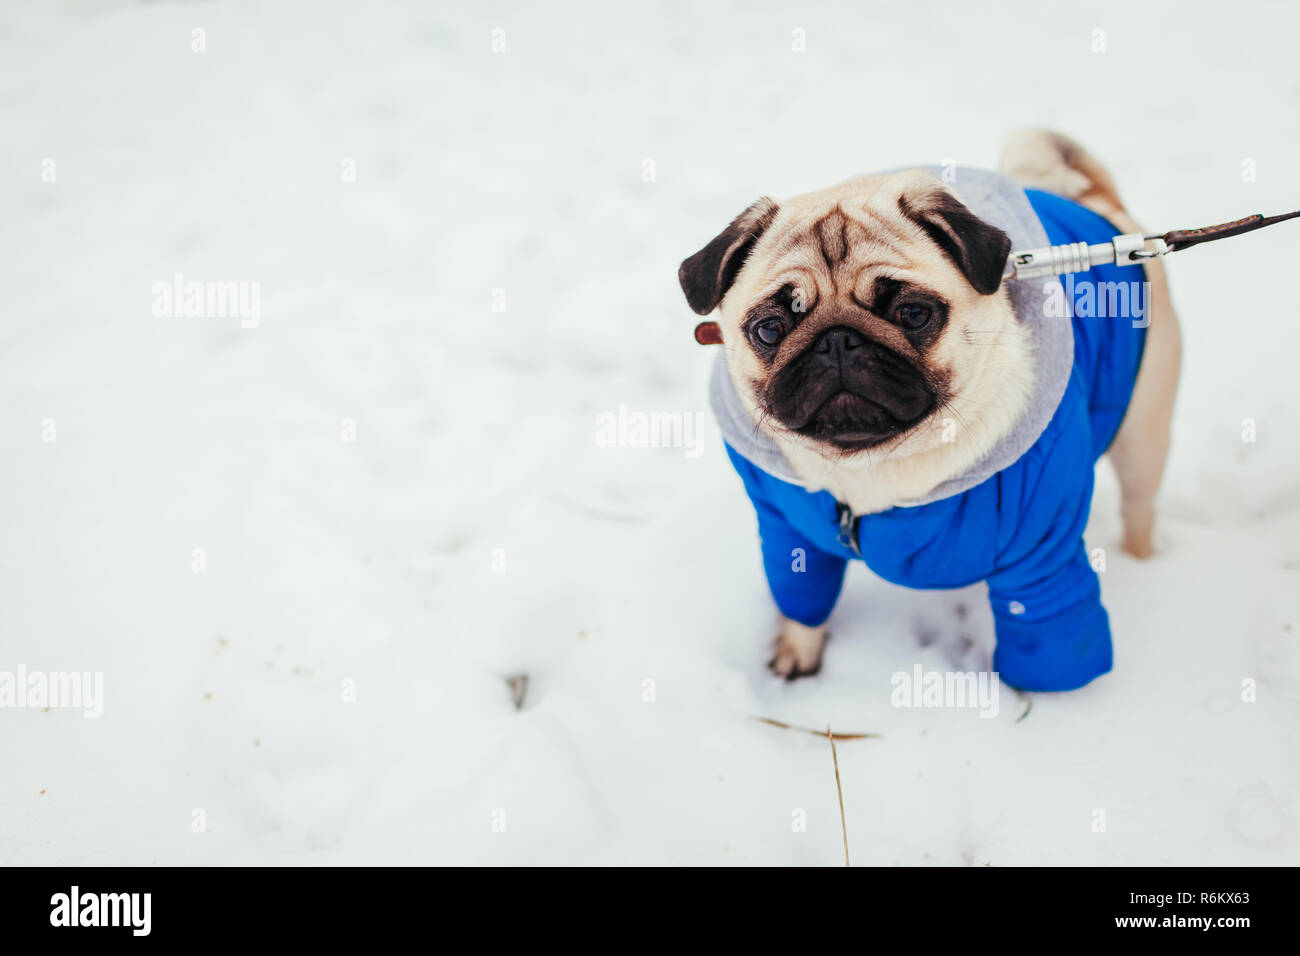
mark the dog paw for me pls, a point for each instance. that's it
(798, 650)
(1139, 546)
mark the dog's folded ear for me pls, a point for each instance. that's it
(977, 248)
(707, 275)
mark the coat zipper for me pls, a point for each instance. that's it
(848, 527)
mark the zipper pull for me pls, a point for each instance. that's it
(848, 527)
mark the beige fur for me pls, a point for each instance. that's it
(991, 369)
(798, 649)
(1047, 160)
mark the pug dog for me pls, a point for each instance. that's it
(889, 394)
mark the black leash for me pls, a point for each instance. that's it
(1182, 238)
(1128, 249)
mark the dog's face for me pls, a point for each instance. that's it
(856, 317)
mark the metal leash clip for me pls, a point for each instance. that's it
(1126, 250)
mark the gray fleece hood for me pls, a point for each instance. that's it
(997, 200)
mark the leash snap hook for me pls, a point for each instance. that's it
(1132, 247)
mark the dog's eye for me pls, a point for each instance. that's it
(769, 331)
(913, 315)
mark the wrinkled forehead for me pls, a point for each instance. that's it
(839, 240)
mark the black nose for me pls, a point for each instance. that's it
(837, 342)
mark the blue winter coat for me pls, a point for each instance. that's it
(1020, 530)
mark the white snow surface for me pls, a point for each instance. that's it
(632, 592)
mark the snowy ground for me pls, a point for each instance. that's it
(378, 561)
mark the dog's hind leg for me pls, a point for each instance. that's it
(1046, 160)
(1140, 447)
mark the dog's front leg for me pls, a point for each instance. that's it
(798, 650)
(805, 581)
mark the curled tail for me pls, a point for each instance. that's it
(1042, 159)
